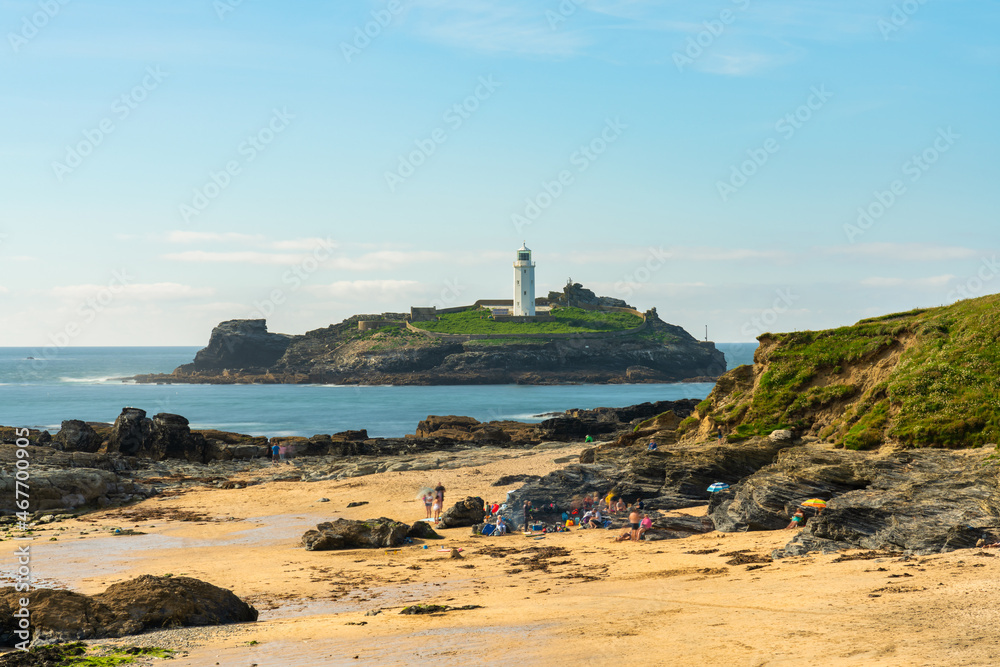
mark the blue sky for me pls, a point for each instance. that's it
(168, 166)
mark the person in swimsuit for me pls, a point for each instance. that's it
(428, 501)
(797, 520)
(633, 520)
(438, 501)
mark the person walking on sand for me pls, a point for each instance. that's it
(633, 521)
(438, 501)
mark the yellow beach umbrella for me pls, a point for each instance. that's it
(815, 503)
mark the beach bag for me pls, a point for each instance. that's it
(488, 529)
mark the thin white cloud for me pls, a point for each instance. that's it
(373, 261)
(919, 252)
(3, 290)
(480, 25)
(932, 281)
(307, 244)
(385, 259)
(366, 289)
(237, 257)
(182, 236)
(144, 291)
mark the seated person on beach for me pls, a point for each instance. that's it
(651, 446)
(595, 520)
(645, 525)
(501, 528)
(620, 505)
(797, 520)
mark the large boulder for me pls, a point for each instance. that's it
(239, 344)
(461, 429)
(165, 436)
(468, 512)
(76, 436)
(170, 602)
(421, 530)
(350, 534)
(126, 608)
(172, 438)
(130, 432)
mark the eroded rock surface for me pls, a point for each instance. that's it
(468, 512)
(126, 608)
(350, 534)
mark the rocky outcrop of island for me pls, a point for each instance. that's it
(388, 349)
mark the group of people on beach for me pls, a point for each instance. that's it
(433, 500)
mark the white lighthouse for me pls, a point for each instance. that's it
(524, 283)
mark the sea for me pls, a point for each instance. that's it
(41, 388)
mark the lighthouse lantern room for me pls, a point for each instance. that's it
(524, 283)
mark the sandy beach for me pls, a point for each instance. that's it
(569, 598)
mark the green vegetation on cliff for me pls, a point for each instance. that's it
(921, 378)
(565, 320)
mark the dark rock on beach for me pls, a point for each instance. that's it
(77, 436)
(126, 608)
(421, 530)
(468, 512)
(350, 534)
(917, 501)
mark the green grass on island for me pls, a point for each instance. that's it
(565, 320)
(944, 391)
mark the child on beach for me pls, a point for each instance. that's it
(438, 501)
(428, 502)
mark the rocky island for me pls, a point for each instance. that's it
(579, 338)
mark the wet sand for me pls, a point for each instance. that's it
(570, 598)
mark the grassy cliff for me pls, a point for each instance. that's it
(921, 378)
(564, 320)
